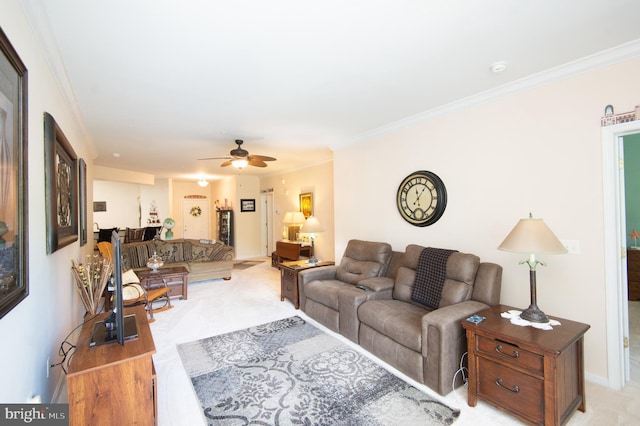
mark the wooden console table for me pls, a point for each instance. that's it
(535, 375)
(112, 384)
(175, 277)
(289, 279)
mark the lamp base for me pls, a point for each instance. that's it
(312, 261)
(533, 314)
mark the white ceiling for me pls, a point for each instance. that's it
(165, 82)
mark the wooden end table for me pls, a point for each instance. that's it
(289, 278)
(535, 375)
(174, 277)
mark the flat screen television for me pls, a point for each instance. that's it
(117, 327)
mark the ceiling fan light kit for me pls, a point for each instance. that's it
(240, 158)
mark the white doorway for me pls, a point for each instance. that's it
(615, 242)
(195, 218)
(266, 228)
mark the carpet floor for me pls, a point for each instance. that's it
(240, 265)
(252, 297)
(289, 372)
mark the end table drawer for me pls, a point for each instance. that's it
(508, 388)
(511, 354)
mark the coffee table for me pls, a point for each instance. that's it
(174, 277)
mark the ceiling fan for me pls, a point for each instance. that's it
(240, 158)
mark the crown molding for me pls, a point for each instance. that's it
(602, 59)
(41, 27)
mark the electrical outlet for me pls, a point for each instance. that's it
(48, 366)
(572, 246)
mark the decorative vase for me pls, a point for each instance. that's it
(155, 262)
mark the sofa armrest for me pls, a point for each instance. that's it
(444, 342)
(312, 274)
(222, 252)
(322, 273)
(378, 284)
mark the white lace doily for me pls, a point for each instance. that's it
(514, 316)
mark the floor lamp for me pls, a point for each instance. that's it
(532, 236)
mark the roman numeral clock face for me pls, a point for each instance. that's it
(422, 198)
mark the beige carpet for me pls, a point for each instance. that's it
(252, 297)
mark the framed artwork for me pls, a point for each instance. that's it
(82, 181)
(99, 206)
(14, 253)
(248, 205)
(61, 187)
(306, 204)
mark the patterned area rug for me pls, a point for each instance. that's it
(289, 372)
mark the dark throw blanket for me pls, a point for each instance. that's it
(430, 276)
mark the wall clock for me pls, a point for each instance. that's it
(422, 198)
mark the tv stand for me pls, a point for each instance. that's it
(113, 384)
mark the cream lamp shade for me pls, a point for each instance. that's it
(311, 226)
(292, 220)
(532, 236)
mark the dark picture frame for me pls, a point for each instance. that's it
(61, 187)
(99, 206)
(82, 183)
(248, 205)
(14, 197)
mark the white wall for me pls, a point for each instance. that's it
(536, 151)
(287, 188)
(34, 329)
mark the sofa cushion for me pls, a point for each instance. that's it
(135, 255)
(458, 286)
(198, 251)
(400, 321)
(363, 259)
(170, 251)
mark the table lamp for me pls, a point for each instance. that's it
(312, 227)
(532, 236)
(293, 220)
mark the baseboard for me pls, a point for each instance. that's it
(60, 393)
(598, 380)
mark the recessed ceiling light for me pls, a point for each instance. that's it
(498, 67)
(116, 155)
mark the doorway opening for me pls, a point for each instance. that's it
(615, 243)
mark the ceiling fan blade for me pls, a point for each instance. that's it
(226, 163)
(257, 162)
(215, 158)
(261, 158)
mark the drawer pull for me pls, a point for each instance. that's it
(499, 350)
(515, 389)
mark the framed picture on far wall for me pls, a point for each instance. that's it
(306, 204)
(14, 218)
(248, 205)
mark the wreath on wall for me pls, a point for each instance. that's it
(196, 211)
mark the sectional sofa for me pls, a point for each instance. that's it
(203, 259)
(370, 298)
